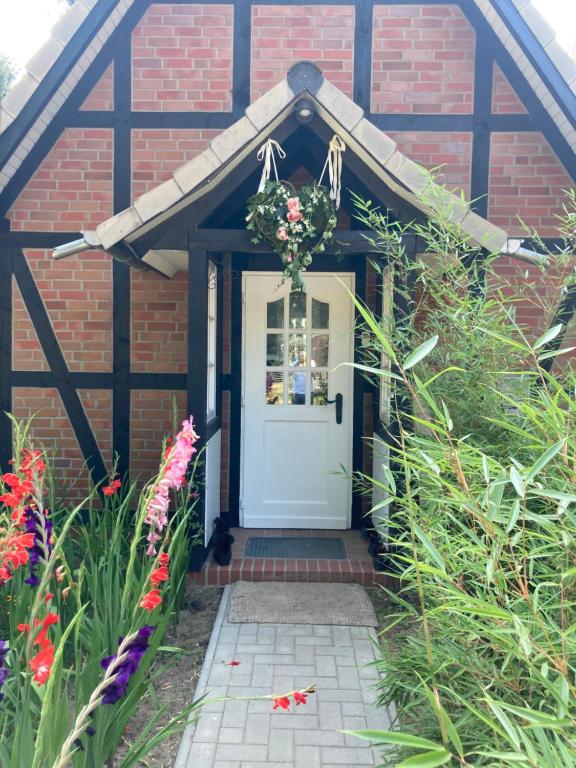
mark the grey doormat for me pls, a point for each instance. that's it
(296, 547)
(269, 602)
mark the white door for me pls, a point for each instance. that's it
(293, 448)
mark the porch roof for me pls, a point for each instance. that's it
(377, 151)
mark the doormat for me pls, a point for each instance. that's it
(296, 547)
(264, 602)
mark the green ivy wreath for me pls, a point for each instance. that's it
(296, 224)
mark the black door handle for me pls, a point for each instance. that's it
(339, 399)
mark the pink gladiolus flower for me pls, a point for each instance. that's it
(177, 458)
(282, 234)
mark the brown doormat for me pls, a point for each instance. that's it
(271, 602)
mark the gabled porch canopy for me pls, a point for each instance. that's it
(151, 230)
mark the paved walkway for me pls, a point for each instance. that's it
(277, 658)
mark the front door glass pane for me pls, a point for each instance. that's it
(297, 388)
(319, 351)
(275, 314)
(297, 350)
(319, 388)
(275, 387)
(275, 349)
(320, 314)
(297, 317)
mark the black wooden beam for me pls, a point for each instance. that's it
(363, 53)
(241, 240)
(6, 267)
(55, 359)
(196, 379)
(100, 380)
(483, 78)
(241, 57)
(37, 239)
(121, 326)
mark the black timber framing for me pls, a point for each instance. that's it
(121, 320)
(480, 169)
(6, 269)
(55, 359)
(363, 53)
(196, 380)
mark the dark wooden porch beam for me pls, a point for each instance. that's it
(241, 240)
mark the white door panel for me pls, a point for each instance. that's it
(293, 449)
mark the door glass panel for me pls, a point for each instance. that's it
(275, 387)
(319, 388)
(320, 314)
(275, 349)
(297, 317)
(297, 350)
(297, 387)
(275, 314)
(319, 351)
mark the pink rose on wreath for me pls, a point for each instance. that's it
(294, 215)
(282, 234)
(293, 204)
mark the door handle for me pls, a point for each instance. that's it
(339, 401)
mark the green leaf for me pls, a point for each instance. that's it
(431, 549)
(547, 456)
(426, 759)
(555, 353)
(395, 737)
(550, 334)
(420, 353)
(517, 482)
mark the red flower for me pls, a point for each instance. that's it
(300, 697)
(10, 499)
(282, 702)
(164, 558)
(159, 575)
(23, 627)
(48, 597)
(232, 663)
(41, 664)
(151, 600)
(108, 490)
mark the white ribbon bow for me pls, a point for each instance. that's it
(266, 153)
(334, 164)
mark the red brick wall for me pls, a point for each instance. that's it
(504, 98)
(27, 354)
(51, 431)
(157, 153)
(526, 180)
(171, 46)
(449, 153)
(102, 95)
(151, 419)
(159, 322)
(285, 34)
(72, 188)
(422, 60)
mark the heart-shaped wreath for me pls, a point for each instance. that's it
(296, 224)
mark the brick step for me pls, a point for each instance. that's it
(260, 569)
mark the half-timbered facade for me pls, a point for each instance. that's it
(129, 149)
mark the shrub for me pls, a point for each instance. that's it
(482, 527)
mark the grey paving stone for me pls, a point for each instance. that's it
(231, 735)
(241, 752)
(352, 709)
(284, 644)
(252, 648)
(340, 695)
(304, 654)
(294, 669)
(348, 677)
(226, 764)
(266, 635)
(293, 722)
(330, 715)
(273, 658)
(257, 729)
(235, 714)
(281, 746)
(307, 757)
(324, 738)
(201, 755)
(347, 755)
(326, 665)
(208, 727)
(263, 674)
(321, 630)
(312, 640)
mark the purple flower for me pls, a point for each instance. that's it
(3, 671)
(135, 649)
(37, 522)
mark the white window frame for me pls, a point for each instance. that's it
(211, 349)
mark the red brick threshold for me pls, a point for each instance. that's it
(356, 568)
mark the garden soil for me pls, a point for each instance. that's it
(175, 687)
